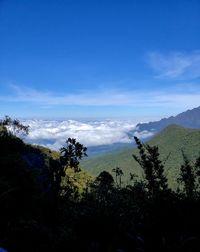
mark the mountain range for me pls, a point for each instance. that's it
(188, 119)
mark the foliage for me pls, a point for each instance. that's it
(69, 158)
(170, 142)
(72, 153)
(93, 214)
(152, 166)
(104, 181)
(118, 174)
(189, 176)
(75, 183)
(14, 126)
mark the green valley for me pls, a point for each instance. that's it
(171, 142)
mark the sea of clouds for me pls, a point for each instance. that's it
(53, 133)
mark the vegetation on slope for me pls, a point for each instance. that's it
(102, 217)
(171, 142)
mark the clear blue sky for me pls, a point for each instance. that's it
(99, 58)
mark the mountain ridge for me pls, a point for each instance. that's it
(188, 119)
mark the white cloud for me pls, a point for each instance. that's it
(175, 65)
(53, 134)
(143, 134)
(82, 98)
(171, 98)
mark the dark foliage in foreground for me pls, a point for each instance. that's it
(40, 213)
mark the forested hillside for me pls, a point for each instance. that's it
(49, 204)
(172, 141)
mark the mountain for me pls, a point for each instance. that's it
(171, 141)
(20, 161)
(99, 150)
(188, 119)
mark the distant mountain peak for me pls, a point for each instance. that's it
(188, 119)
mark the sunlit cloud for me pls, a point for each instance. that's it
(175, 64)
(53, 134)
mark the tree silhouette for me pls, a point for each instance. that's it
(14, 126)
(104, 179)
(118, 174)
(70, 157)
(72, 154)
(152, 166)
(103, 186)
(187, 177)
(107, 217)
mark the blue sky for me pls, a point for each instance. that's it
(115, 58)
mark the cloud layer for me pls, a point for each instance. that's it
(53, 134)
(107, 97)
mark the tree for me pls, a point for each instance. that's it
(103, 185)
(188, 176)
(72, 154)
(152, 166)
(197, 166)
(104, 179)
(70, 157)
(118, 173)
(13, 126)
